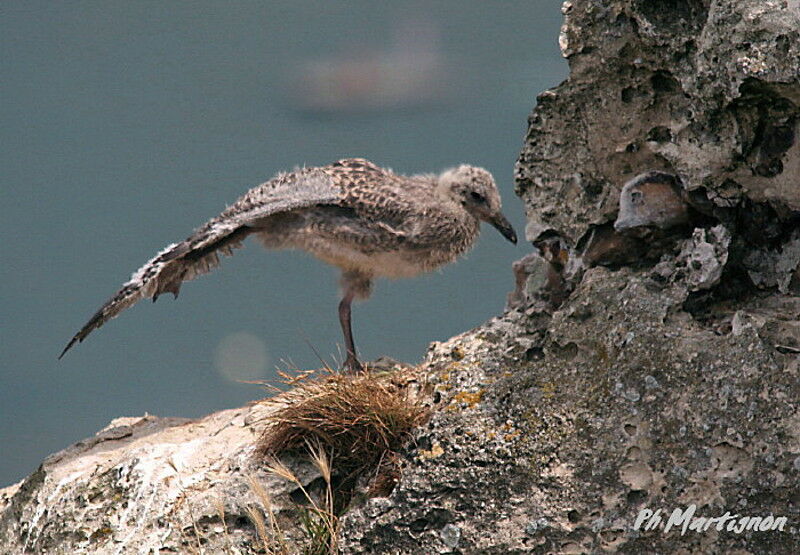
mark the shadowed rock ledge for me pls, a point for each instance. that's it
(634, 369)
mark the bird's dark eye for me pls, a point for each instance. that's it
(477, 197)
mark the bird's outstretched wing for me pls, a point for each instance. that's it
(199, 253)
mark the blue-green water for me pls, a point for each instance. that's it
(126, 125)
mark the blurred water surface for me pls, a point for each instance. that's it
(125, 125)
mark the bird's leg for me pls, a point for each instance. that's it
(351, 363)
(355, 285)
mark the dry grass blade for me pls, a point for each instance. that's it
(275, 466)
(289, 379)
(273, 541)
(320, 459)
(221, 513)
(261, 493)
(185, 498)
(261, 527)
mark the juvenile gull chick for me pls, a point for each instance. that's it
(368, 221)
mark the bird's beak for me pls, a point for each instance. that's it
(625, 222)
(501, 224)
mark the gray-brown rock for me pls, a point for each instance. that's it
(703, 257)
(705, 90)
(632, 405)
(148, 484)
(659, 384)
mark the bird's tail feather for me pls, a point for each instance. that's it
(166, 272)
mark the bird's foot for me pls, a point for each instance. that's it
(385, 365)
(352, 365)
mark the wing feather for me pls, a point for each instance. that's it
(199, 253)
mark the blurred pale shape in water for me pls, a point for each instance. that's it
(241, 356)
(411, 72)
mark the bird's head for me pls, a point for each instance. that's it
(651, 200)
(475, 190)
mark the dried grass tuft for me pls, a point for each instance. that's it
(360, 420)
